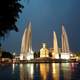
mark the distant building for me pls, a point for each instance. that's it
(44, 52)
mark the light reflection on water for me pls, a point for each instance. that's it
(54, 71)
(26, 71)
(66, 69)
(42, 71)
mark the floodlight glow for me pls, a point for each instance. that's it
(57, 56)
(71, 55)
(21, 57)
(65, 56)
(14, 53)
(30, 56)
(44, 45)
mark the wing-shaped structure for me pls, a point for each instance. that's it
(26, 46)
(65, 54)
(65, 44)
(55, 53)
(55, 44)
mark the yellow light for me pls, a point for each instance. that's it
(71, 55)
(44, 68)
(55, 71)
(57, 56)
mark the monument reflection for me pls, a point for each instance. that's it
(26, 71)
(46, 71)
(55, 71)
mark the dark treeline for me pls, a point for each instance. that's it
(5, 54)
(36, 54)
(9, 13)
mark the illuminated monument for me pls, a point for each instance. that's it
(26, 46)
(65, 45)
(55, 53)
(44, 52)
(64, 53)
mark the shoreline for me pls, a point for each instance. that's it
(40, 60)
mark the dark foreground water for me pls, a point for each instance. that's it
(48, 71)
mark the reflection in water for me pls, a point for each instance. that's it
(26, 72)
(76, 73)
(55, 71)
(15, 71)
(30, 70)
(13, 68)
(47, 71)
(44, 69)
(37, 72)
(21, 72)
(66, 68)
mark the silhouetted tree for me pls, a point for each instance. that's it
(50, 54)
(35, 54)
(38, 55)
(6, 55)
(9, 13)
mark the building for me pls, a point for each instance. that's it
(44, 52)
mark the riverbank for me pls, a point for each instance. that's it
(40, 60)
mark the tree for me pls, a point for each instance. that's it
(9, 13)
(6, 55)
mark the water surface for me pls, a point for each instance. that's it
(42, 71)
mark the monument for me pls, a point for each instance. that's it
(55, 53)
(26, 46)
(65, 53)
(44, 52)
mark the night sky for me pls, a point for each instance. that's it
(46, 16)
